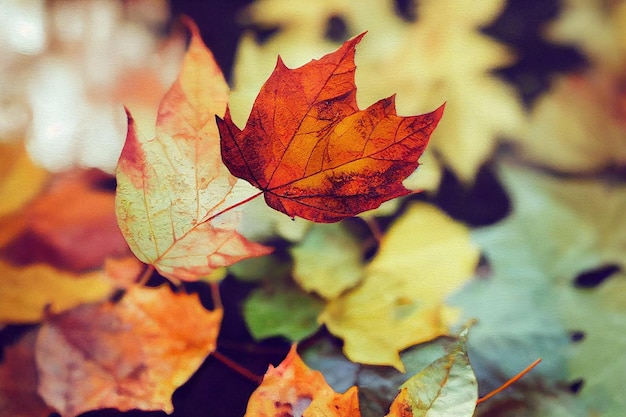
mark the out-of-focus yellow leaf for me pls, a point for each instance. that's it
(578, 126)
(26, 292)
(328, 260)
(441, 56)
(423, 257)
(20, 178)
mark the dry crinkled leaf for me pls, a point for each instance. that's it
(445, 388)
(295, 390)
(173, 190)
(18, 381)
(328, 260)
(313, 153)
(425, 60)
(423, 257)
(27, 292)
(132, 354)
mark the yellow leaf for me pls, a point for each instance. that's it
(328, 260)
(427, 60)
(26, 292)
(20, 178)
(423, 257)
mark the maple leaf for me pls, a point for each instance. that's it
(425, 59)
(132, 354)
(293, 389)
(313, 153)
(171, 188)
(400, 301)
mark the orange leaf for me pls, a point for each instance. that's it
(310, 149)
(132, 354)
(170, 188)
(295, 390)
(71, 225)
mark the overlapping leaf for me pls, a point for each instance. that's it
(445, 388)
(293, 389)
(132, 354)
(171, 188)
(313, 153)
(400, 301)
(425, 59)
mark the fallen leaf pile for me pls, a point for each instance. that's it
(286, 213)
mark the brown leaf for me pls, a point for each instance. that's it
(18, 381)
(132, 354)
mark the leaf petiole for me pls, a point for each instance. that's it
(509, 382)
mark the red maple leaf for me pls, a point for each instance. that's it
(313, 153)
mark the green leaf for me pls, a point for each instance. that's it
(282, 309)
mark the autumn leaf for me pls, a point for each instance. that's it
(313, 153)
(27, 292)
(125, 355)
(18, 381)
(425, 59)
(171, 188)
(423, 258)
(447, 387)
(70, 225)
(293, 389)
(342, 253)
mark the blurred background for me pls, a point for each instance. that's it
(530, 154)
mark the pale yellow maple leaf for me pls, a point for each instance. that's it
(423, 257)
(440, 57)
(580, 124)
(328, 260)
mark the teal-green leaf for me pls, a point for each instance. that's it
(282, 309)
